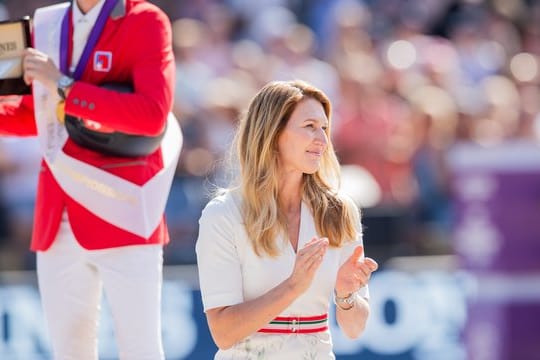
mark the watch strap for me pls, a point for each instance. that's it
(345, 303)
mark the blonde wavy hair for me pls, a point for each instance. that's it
(336, 217)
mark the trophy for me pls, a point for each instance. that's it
(14, 38)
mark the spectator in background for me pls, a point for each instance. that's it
(273, 250)
(374, 129)
(434, 115)
(456, 46)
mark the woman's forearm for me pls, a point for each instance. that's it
(353, 321)
(231, 324)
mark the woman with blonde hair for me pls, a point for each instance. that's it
(273, 250)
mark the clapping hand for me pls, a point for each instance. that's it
(308, 260)
(354, 273)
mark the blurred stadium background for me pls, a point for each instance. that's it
(436, 123)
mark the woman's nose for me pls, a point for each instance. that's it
(321, 137)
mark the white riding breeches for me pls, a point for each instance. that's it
(71, 280)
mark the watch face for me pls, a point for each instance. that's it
(62, 84)
(64, 81)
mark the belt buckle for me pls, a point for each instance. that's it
(295, 324)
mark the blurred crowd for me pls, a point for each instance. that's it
(409, 79)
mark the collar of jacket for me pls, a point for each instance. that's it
(119, 10)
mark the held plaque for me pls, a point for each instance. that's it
(14, 38)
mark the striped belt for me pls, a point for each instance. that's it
(297, 325)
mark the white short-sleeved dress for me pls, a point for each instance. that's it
(230, 273)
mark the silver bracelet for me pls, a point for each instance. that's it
(348, 301)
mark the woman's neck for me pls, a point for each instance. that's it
(290, 196)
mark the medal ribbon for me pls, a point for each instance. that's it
(66, 43)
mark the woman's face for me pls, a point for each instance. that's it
(303, 141)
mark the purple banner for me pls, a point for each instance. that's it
(497, 202)
(497, 241)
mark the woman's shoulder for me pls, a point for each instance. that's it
(347, 199)
(224, 204)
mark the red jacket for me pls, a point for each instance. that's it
(140, 43)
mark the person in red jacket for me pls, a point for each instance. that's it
(99, 210)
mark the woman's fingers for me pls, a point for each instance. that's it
(372, 264)
(311, 255)
(364, 269)
(355, 272)
(357, 254)
(308, 260)
(313, 248)
(38, 66)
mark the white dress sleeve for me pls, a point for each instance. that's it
(218, 263)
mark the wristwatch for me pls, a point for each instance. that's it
(344, 303)
(63, 84)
